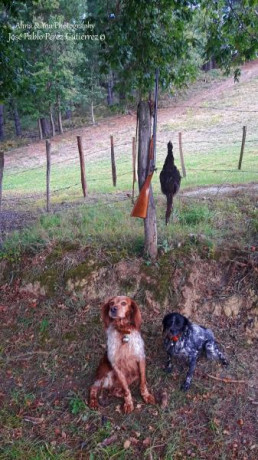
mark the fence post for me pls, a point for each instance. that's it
(113, 161)
(134, 165)
(82, 164)
(242, 148)
(181, 154)
(1, 176)
(48, 150)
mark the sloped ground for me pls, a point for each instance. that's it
(210, 127)
(52, 339)
(95, 137)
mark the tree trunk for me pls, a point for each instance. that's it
(40, 129)
(1, 178)
(52, 123)
(110, 85)
(16, 118)
(122, 97)
(1, 122)
(150, 223)
(68, 114)
(44, 127)
(92, 113)
(60, 124)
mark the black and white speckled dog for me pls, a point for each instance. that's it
(188, 340)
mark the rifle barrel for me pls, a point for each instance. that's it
(155, 117)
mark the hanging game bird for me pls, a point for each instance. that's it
(169, 180)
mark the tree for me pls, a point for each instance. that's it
(39, 77)
(12, 59)
(231, 29)
(143, 36)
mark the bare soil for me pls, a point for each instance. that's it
(95, 142)
(52, 339)
(123, 127)
(51, 344)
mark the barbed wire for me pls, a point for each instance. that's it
(128, 160)
(95, 156)
(98, 171)
(227, 109)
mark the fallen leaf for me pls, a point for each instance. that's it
(240, 422)
(216, 421)
(134, 441)
(34, 420)
(164, 399)
(127, 444)
(108, 441)
(146, 442)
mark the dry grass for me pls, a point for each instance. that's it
(50, 348)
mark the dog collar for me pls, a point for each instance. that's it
(175, 338)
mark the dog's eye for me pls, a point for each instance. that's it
(123, 303)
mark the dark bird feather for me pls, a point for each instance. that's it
(170, 179)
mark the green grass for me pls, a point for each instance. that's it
(22, 450)
(200, 168)
(110, 227)
(211, 144)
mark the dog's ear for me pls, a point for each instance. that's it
(136, 316)
(165, 321)
(105, 314)
(186, 322)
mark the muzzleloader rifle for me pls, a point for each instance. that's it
(141, 206)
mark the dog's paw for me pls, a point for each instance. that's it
(149, 399)
(128, 407)
(93, 404)
(185, 386)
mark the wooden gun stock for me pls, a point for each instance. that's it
(141, 206)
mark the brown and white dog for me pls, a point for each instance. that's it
(124, 361)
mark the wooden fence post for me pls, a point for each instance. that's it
(242, 148)
(48, 150)
(134, 165)
(113, 161)
(82, 164)
(181, 154)
(1, 176)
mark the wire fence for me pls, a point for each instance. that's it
(223, 155)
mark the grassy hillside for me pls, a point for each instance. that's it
(210, 116)
(56, 272)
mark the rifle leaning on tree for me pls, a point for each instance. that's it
(141, 206)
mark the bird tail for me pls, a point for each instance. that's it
(169, 206)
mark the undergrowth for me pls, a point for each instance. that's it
(195, 223)
(51, 344)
